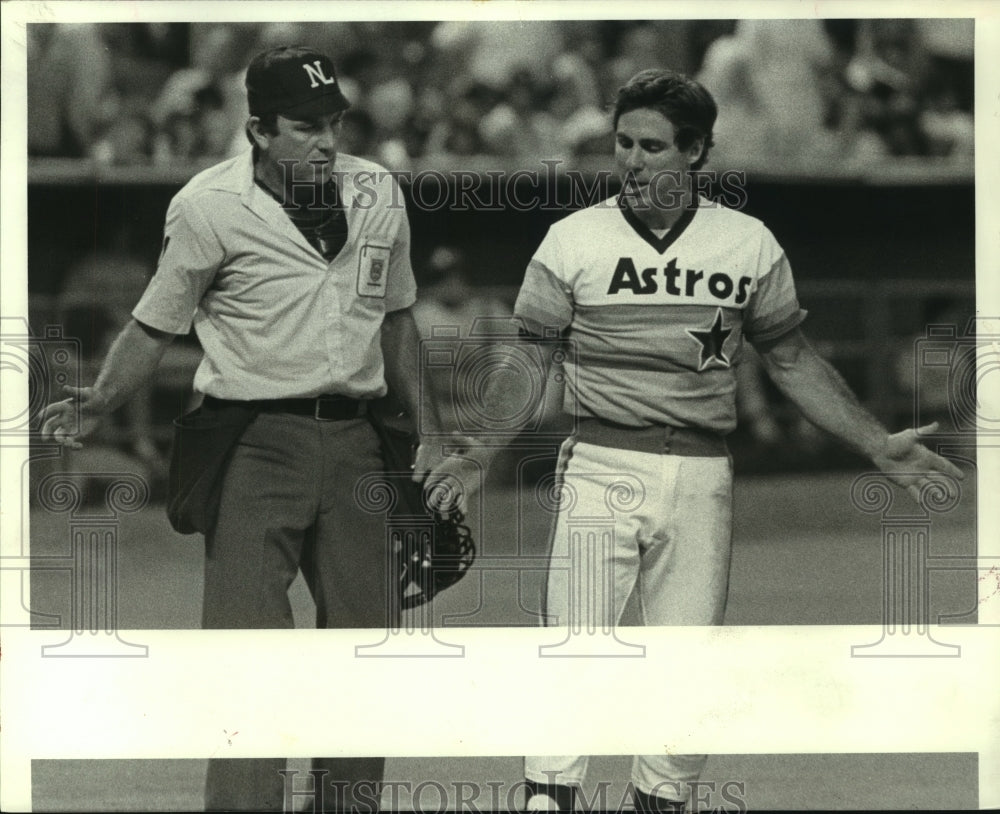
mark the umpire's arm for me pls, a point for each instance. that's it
(130, 364)
(825, 399)
(401, 356)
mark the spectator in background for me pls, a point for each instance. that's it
(768, 79)
(69, 84)
(577, 104)
(912, 85)
(202, 107)
(390, 107)
(586, 40)
(554, 113)
(661, 43)
(795, 89)
(430, 106)
(949, 93)
(390, 90)
(517, 125)
(491, 52)
(126, 138)
(887, 73)
(142, 57)
(458, 132)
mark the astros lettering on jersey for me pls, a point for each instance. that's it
(658, 321)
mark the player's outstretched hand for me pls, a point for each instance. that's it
(73, 418)
(910, 464)
(450, 479)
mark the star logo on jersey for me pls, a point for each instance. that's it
(712, 342)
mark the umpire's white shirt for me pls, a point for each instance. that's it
(274, 318)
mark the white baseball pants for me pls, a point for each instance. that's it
(637, 521)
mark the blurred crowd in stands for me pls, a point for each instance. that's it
(792, 90)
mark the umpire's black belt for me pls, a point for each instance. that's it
(321, 408)
(659, 439)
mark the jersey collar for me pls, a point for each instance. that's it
(661, 244)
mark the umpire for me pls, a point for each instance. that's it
(292, 262)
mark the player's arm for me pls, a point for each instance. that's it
(824, 398)
(129, 365)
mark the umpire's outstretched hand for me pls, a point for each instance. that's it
(73, 418)
(910, 464)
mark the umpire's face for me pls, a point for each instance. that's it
(305, 149)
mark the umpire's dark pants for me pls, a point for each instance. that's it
(288, 502)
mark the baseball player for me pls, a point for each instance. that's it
(292, 262)
(657, 290)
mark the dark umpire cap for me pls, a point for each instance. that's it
(296, 82)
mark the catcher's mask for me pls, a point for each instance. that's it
(430, 555)
(431, 548)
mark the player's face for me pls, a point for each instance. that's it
(649, 161)
(309, 146)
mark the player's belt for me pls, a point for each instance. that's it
(660, 439)
(321, 408)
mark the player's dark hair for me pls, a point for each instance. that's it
(682, 101)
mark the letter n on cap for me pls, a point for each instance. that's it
(315, 71)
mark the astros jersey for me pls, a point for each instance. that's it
(275, 319)
(656, 322)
